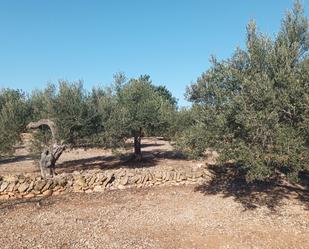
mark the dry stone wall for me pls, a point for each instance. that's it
(27, 186)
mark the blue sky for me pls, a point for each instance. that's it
(171, 40)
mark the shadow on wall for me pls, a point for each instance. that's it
(229, 180)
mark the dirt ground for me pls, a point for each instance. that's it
(161, 217)
(224, 213)
(157, 153)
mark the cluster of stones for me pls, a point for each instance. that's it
(27, 186)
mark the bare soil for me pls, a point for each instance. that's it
(157, 153)
(224, 213)
(169, 217)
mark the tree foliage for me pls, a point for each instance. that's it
(254, 106)
(137, 109)
(105, 116)
(14, 114)
(165, 94)
(70, 107)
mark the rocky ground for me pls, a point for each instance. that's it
(158, 154)
(157, 217)
(223, 212)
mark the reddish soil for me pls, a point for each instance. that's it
(159, 217)
(157, 153)
(224, 213)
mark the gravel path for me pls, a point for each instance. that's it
(160, 217)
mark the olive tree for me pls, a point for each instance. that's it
(254, 106)
(70, 106)
(14, 113)
(138, 110)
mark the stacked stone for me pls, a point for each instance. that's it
(27, 186)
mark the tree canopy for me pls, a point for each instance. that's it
(14, 115)
(253, 107)
(140, 109)
(105, 116)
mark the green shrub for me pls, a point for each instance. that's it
(254, 107)
(14, 114)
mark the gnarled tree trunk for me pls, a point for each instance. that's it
(51, 154)
(137, 145)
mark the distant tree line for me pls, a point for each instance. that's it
(104, 116)
(253, 108)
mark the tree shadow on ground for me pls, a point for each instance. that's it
(151, 145)
(229, 180)
(39, 202)
(14, 159)
(149, 159)
(96, 146)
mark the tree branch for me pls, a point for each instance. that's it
(45, 122)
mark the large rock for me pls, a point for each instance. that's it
(23, 187)
(31, 185)
(10, 178)
(120, 186)
(11, 186)
(135, 179)
(21, 179)
(97, 181)
(47, 192)
(16, 186)
(92, 180)
(3, 186)
(124, 180)
(180, 177)
(98, 188)
(145, 178)
(47, 186)
(61, 181)
(158, 175)
(100, 178)
(77, 188)
(80, 182)
(108, 180)
(167, 176)
(29, 195)
(40, 185)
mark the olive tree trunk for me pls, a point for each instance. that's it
(137, 145)
(50, 154)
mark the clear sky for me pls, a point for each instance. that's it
(171, 40)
